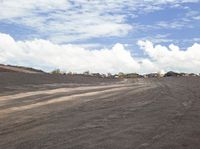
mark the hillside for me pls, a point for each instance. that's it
(15, 78)
(9, 68)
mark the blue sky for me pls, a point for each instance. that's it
(101, 24)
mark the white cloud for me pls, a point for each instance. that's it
(172, 58)
(46, 55)
(159, 38)
(70, 20)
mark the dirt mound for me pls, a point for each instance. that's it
(171, 74)
(11, 81)
(13, 78)
(9, 68)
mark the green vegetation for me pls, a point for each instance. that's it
(129, 75)
(57, 71)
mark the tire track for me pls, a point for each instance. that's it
(3, 112)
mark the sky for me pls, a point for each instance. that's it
(102, 36)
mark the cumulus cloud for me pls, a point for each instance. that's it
(172, 57)
(44, 54)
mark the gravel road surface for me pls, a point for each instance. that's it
(141, 114)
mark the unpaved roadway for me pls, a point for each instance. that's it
(141, 114)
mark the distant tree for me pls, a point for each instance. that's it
(86, 73)
(70, 73)
(121, 74)
(109, 74)
(56, 71)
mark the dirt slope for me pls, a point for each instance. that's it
(15, 81)
(9, 68)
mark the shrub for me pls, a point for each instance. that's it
(56, 71)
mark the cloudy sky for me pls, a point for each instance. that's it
(101, 35)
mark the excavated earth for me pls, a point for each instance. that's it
(40, 112)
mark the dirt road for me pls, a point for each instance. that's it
(143, 114)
